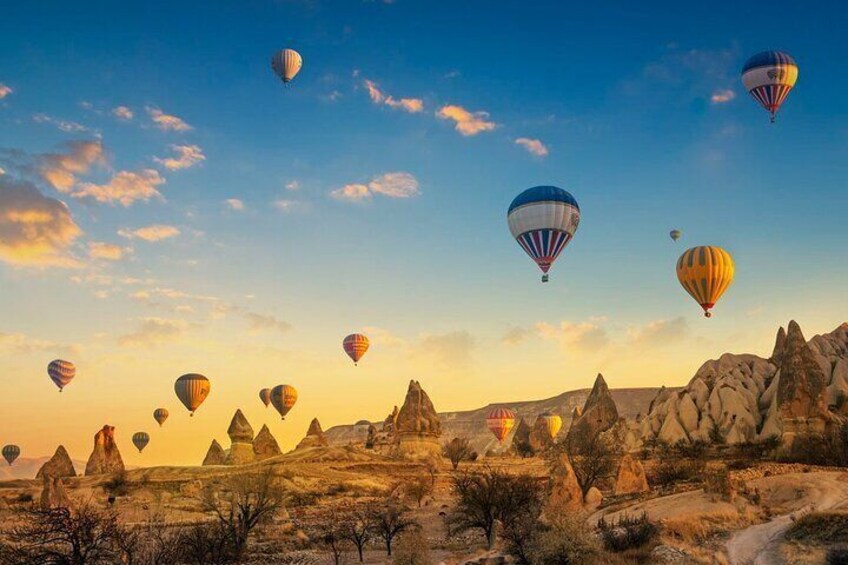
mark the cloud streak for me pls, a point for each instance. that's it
(125, 188)
(391, 185)
(466, 122)
(534, 146)
(153, 233)
(186, 156)
(167, 122)
(411, 105)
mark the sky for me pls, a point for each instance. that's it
(167, 206)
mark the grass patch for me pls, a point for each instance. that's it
(821, 527)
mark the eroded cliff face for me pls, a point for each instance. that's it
(105, 458)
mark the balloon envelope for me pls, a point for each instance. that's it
(192, 389)
(675, 234)
(355, 345)
(61, 372)
(160, 415)
(283, 398)
(768, 77)
(286, 63)
(265, 396)
(552, 422)
(500, 422)
(543, 219)
(10, 453)
(140, 440)
(705, 272)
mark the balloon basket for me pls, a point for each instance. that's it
(545, 278)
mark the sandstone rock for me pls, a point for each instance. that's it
(215, 455)
(669, 555)
(390, 423)
(191, 489)
(631, 477)
(599, 414)
(240, 429)
(521, 437)
(105, 458)
(594, 498)
(802, 382)
(672, 431)
(540, 437)
(264, 445)
(58, 466)
(417, 415)
(314, 436)
(564, 488)
(779, 346)
(53, 495)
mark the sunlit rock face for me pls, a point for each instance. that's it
(215, 455)
(314, 436)
(599, 414)
(58, 466)
(265, 445)
(241, 436)
(417, 428)
(105, 458)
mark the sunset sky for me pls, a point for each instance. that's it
(215, 221)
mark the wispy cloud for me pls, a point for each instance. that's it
(411, 105)
(152, 332)
(262, 322)
(5, 90)
(450, 350)
(392, 185)
(658, 332)
(293, 185)
(106, 251)
(516, 335)
(166, 122)
(126, 188)
(19, 343)
(722, 96)
(581, 336)
(60, 170)
(234, 204)
(123, 113)
(156, 232)
(62, 125)
(186, 156)
(467, 123)
(534, 146)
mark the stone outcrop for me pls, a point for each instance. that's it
(565, 490)
(598, 415)
(594, 497)
(265, 445)
(59, 466)
(314, 436)
(417, 427)
(390, 423)
(215, 455)
(105, 458)
(540, 437)
(779, 345)
(631, 478)
(520, 438)
(241, 436)
(53, 494)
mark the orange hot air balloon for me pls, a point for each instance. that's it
(192, 389)
(265, 396)
(705, 272)
(355, 345)
(160, 415)
(500, 422)
(283, 397)
(552, 422)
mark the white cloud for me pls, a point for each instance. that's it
(261, 322)
(449, 350)
(393, 185)
(285, 205)
(234, 204)
(106, 251)
(61, 169)
(658, 332)
(167, 122)
(582, 336)
(126, 188)
(722, 96)
(5, 91)
(62, 125)
(21, 344)
(467, 123)
(123, 113)
(293, 185)
(156, 232)
(411, 105)
(534, 146)
(186, 156)
(152, 332)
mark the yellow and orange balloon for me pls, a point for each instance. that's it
(500, 422)
(283, 397)
(705, 272)
(355, 345)
(192, 389)
(553, 423)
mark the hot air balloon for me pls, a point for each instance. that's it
(160, 415)
(543, 220)
(10, 453)
(283, 398)
(355, 345)
(192, 389)
(705, 272)
(768, 77)
(552, 422)
(286, 63)
(500, 421)
(675, 234)
(61, 372)
(140, 440)
(265, 396)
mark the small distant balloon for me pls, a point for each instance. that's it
(265, 396)
(10, 453)
(286, 63)
(552, 422)
(500, 422)
(160, 415)
(192, 389)
(705, 272)
(675, 234)
(283, 397)
(355, 345)
(768, 77)
(61, 372)
(140, 440)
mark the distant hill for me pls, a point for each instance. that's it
(471, 424)
(27, 467)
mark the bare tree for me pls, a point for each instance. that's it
(356, 528)
(332, 537)
(388, 520)
(592, 456)
(457, 450)
(205, 544)
(418, 488)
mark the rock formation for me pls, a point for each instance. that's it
(598, 415)
(264, 445)
(105, 458)
(215, 455)
(417, 427)
(540, 437)
(314, 436)
(241, 436)
(58, 466)
(631, 477)
(779, 345)
(53, 494)
(594, 498)
(390, 423)
(520, 439)
(565, 490)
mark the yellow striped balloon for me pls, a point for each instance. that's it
(283, 398)
(552, 422)
(192, 389)
(140, 440)
(705, 272)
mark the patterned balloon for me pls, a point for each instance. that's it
(61, 372)
(543, 219)
(160, 415)
(768, 77)
(675, 234)
(705, 272)
(286, 64)
(355, 345)
(283, 398)
(140, 440)
(265, 396)
(500, 422)
(10, 453)
(552, 422)
(192, 389)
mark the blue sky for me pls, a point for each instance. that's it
(641, 113)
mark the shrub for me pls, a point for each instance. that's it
(629, 532)
(457, 451)
(412, 549)
(820, 527)
(837, 556)
(717, 481)
(418, 488)
(565, 540)
(671, 470)
(117, 485)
